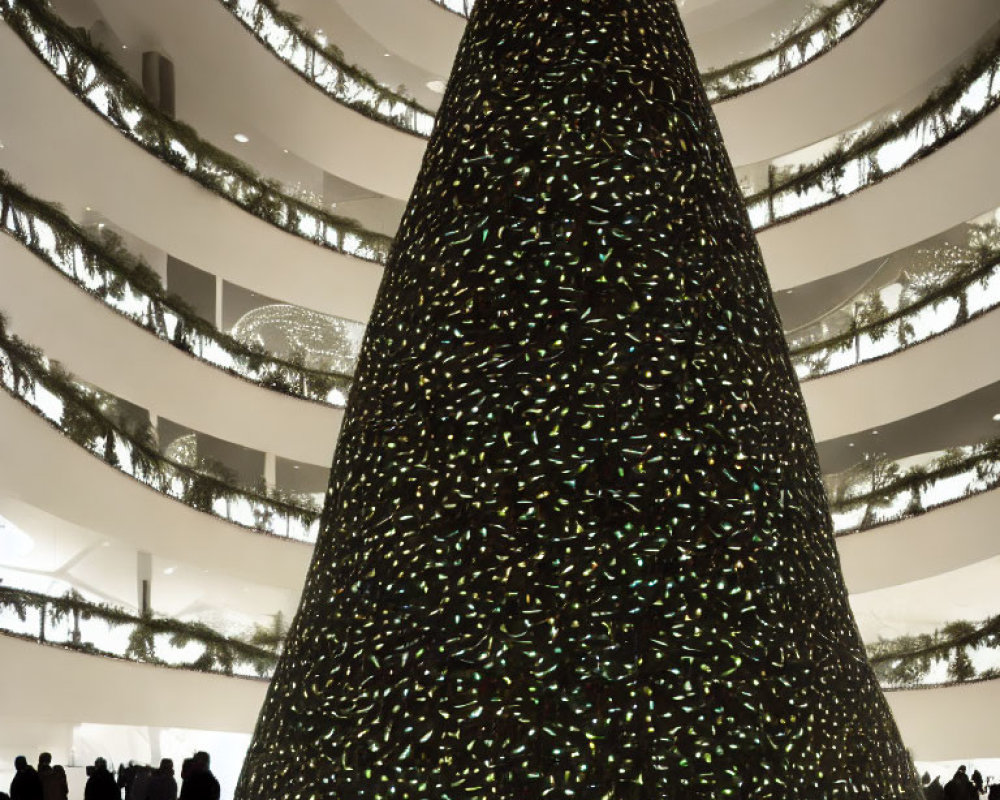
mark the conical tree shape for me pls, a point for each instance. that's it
(576, 542)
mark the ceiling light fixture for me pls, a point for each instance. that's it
(996, 417)
(169, 570)
(242, 138)
(387, 55)
(437, 86)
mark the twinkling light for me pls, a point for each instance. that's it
(321, 341)
(576, 542)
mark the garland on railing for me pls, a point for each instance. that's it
(106, 270)
(905, 662)
(872, 321)
(220, 654)
(878, 491)
(101, 266)
(100, 83)
(901, 663)
(86, 417)
(323, 66)
(875, 492)
(873, 152)
(817, 32)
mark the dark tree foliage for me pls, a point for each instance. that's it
(576, 543)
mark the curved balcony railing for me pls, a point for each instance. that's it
(820, 30)
(89, 418)
(104, 630)
(95, 79)
(817, 32)
(946, 286)
(324, 67)
(879, 491)
(776, 191)
(107, 271)
(961, 652)
(798, 183)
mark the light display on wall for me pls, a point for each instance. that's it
(319, 340)
(576, 542)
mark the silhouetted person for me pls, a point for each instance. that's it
(977, 782)
(163, 785)
(200, 783)
(54, 785)
(960, 787)
(126, 775)
(26, 784)
(934, 790)
(101, 784)
(140, 782)
(994, 793)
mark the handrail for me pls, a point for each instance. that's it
(101, 629)
(909, 662)
(816, 33)
(105, 270)
(968, 288)
(862, 157)
(71, 621)
(323, 66)
(77, 413)
(875, 151)
(101, 84)
(879, 491)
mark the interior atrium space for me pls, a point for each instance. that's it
(199, 200)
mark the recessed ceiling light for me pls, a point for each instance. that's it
(285, 151)
(242, 138)
(86, 208)
(295, 466)
(124, 47)
(850, 444)
(169, 570)
(874, 433)
(333, 205)
(387, 55)
(100, 225)
(437, 86)
(996, 417)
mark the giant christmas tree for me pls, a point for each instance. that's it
(576, 542)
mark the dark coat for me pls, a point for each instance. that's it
(162, 786)
(26, 785)
(200, 786)
(101, 785)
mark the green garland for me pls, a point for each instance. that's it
(889, 483)
(737, 78)
(874, 320)
(111, 273)
(221, 654)
(900, 663)
(267, 12)
(904, 662)
(90, 419)
(935, 111)
(87, 67)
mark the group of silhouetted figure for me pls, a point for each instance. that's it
(960, 787)
(138, 781)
